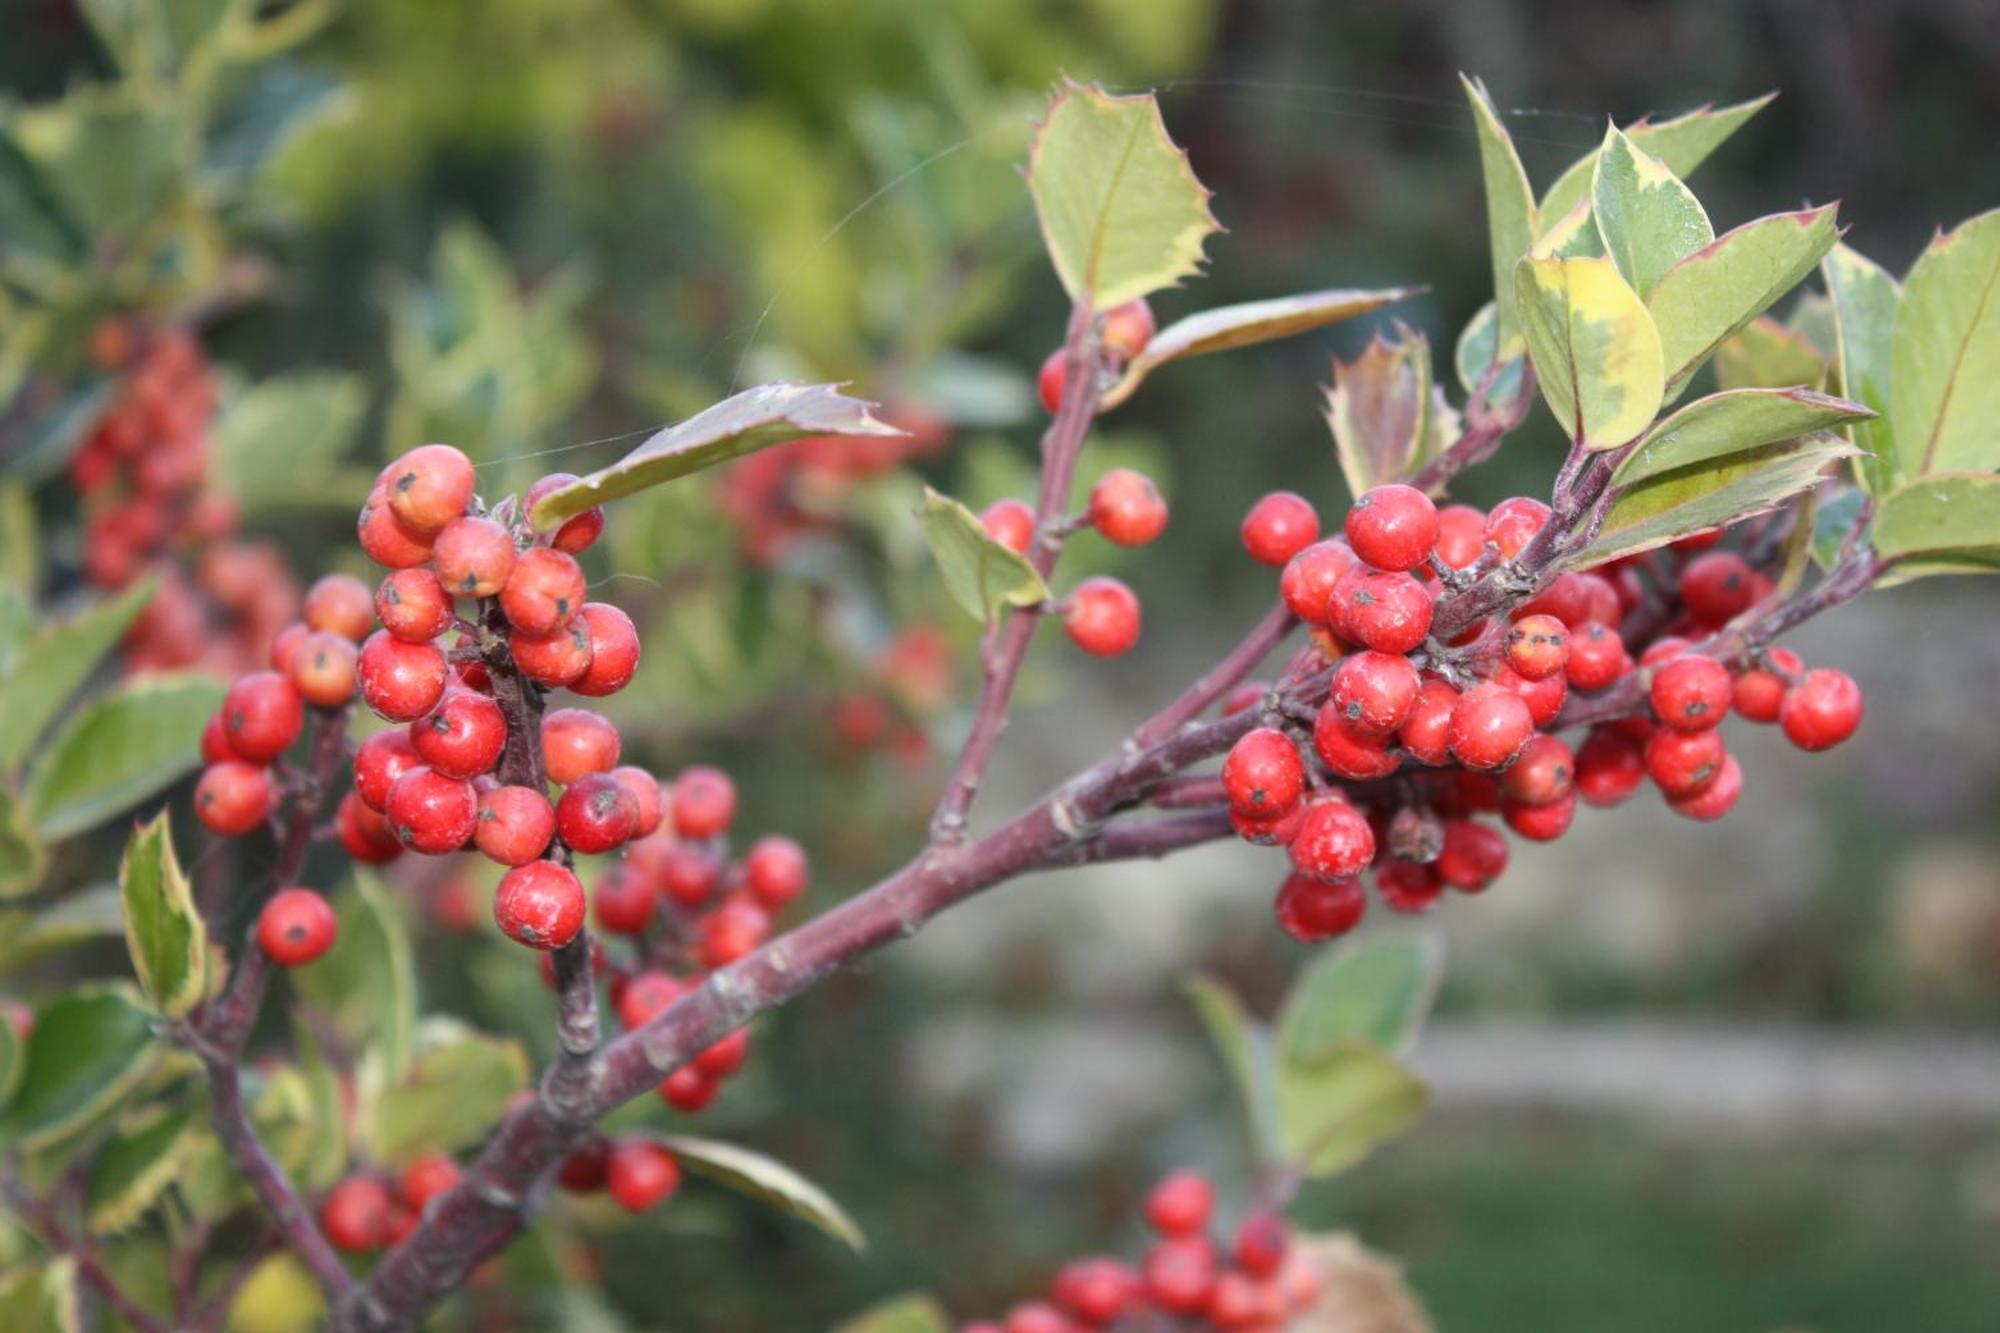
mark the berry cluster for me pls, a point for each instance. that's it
(1255, 1283)
(636, 1172)
(1465, 727)
(369, 1211)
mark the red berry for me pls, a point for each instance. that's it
(1236, 1302)
(1663, 650)
(640, 1174)
(262, 715)
(1095, 1289)
(546, 588)
(1544, 697)
(584, 1169)
(539, 904)
(379, 761)
(463, 736)
(1717, 798)
(413, 606)
(386, 539)
(1102, 616)
(1036, 1317)
(1692, 693)
(1180, 1273)
(1350, 753)
(1334, 842)
(596, 814)
(355, 1214)
(1011, 523)
(1408, 887)
(1461, 536)
(215, 746)
(1597, 656)
(1278, 527)
(1698, 541)
(775, 872)
(1393, 527)
(295, 927)
(1181, 1204)
(554, 659)
(474, 557)
(1050, 379)
(431, 812)
(624, 901)
(614, 650)
(401, 681)
(1716, 587)
(1390, 613)
(689, 1090)
(1540, 823)
(1473, 855)
(323, 669)
(1538, 647)
(1544, 772)
(645, 995)
(1262, 1241)
(704, 802)
(1760, 691)
(576, 741)
(1609, 766)
(1489, 726)
(1426, 730)
(645, 792)
(1311, 910)
(577, 534)
(1263, 775)
(1374, 692)
(233, 797)
(688, 875)
(1126, 330)
(1513, 523)
(340, 604)
(725, 1057)
(1822, 710)
(426, 1178)
(1310, 578)
(732, 931)
(514, 824)
(1681, 763)
(1126, 508)
(364, 834)
(429, 486)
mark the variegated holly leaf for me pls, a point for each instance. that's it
(1595, 351)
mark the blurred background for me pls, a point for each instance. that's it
(1732, 1077)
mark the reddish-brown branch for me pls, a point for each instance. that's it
(1240, 661)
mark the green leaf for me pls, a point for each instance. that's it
(1574, 235)
(1942, 515)
(116, 160)
(119, 750)
(50, 435)
(163, 931)
(279, 442)
(1335, 1109)
(1245, 1047)
(33, 216)
(915, 1313)
(1246, 325)
(1376, 990)
(20, 542)
(1682, 144)
(28, 936)
(1835, 518)
(1596, 355)
(1478, 342)
(22, 859)
(1864, 299)
(57, 660)
(366, 983)
(1648, 219)
(136, 1165)
(11, 1062)
(1703, 300)
(769, 1181)
(1121, 212)
(1764, 354)
(1671, 505)
(90, 1047)
(41, 1298)
(1377, 409)
(456, 1089)
(979, 573)
(1945, 384)
(1731, 422)
(1511, 217)
(752, 420)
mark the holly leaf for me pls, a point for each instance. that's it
(10, 1062)
(915, 1313)
(41, 1298)
(1944, 515)
(768, 1181)
(136, 1165)
(752, 420)
(1594, 348)
(120, 749)
(1246, 325)
(1671, 505)
(22, 858)
(1376, 990)
(114, 158)
(1764, 354)
(1681, 144)
(1945, 354)
(1574, 235)
(1472, 358)
(1511, 216)
(50, 435)
(1864, 299)
(456, 1088)
(48, 669)
(1245, 1047)
(1731, 422)
(981, 575)
(1648, 219)
(89, 1048)
(1377, 409)
(163, 931)
(279, 442)
(1702, 301)
(33, 215)
(1336, 1108)
(1121, 211)
(366, 983)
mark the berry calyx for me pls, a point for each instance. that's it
(295, 927)
(323, 669)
